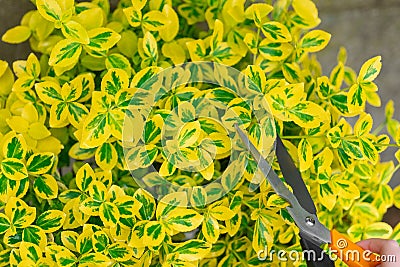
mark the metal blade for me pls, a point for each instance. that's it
(307, 222)
(266, 169)
(293, 177)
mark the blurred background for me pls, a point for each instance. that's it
(366, 28)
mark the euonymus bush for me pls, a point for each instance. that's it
(67, 194)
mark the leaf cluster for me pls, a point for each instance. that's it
(66, 192)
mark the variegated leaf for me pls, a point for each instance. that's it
(65, 53)
(40, 163)
(102, 39)
(45, 186)
(51, 220)
(192, 250)
(14, 169)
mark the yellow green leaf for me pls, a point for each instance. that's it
(251, 42)
(189, 134)
(258, 11)
(32, 66)
(276, 201)
(5, 223)
(183, 220)
(347, 189)
(292, 72)
(118, 61)
(66, 258)
(170, 202)
(16, 35)
(142, 156)
(262, 236)
(96, 130)
(84, 177)
(38, 131)
(106, 156)
(210, 229)
(307, 14)
(45, 186)
(89, 207)
(133, 15)
(84, 242)
(305, 154)
(127, 206)
(364, 212)
(150, 46)
(14, 146)
(368, 150)
(370, 69)
(308, 114)
(20, 214)
(120, 252)
(35, 235)
(14, 169)
(49, 9)
(98, 191)
(109, 213)
(154, 20)
(171, 28)
(276, 32)
(143, 77)
(102, 39)
(29, 251)
(69, 238)
(327, 195)
(197, 50)
(139, 4)
(315, 41)
(65, 53)
(49, 92)
(198, 197)
(91, 18)
(167, 169)
(274, 51)
(192, 250)
(114, 81)
(396, 195)
(173, 51)
(356, 232)
(75, 31)
(83, 83)
(378, 230)
(51, 220)
(337, 75)
(154, 233)
(148, 208)
(40, 163)
(221, 213)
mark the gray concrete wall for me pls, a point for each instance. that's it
(11, 12)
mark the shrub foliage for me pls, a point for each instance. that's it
(66, 192)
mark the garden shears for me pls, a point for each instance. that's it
(313, 234)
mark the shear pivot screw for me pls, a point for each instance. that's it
(310, 221)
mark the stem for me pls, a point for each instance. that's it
(387, 145)
(396, 169)
(379, 128)
(239, 258)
